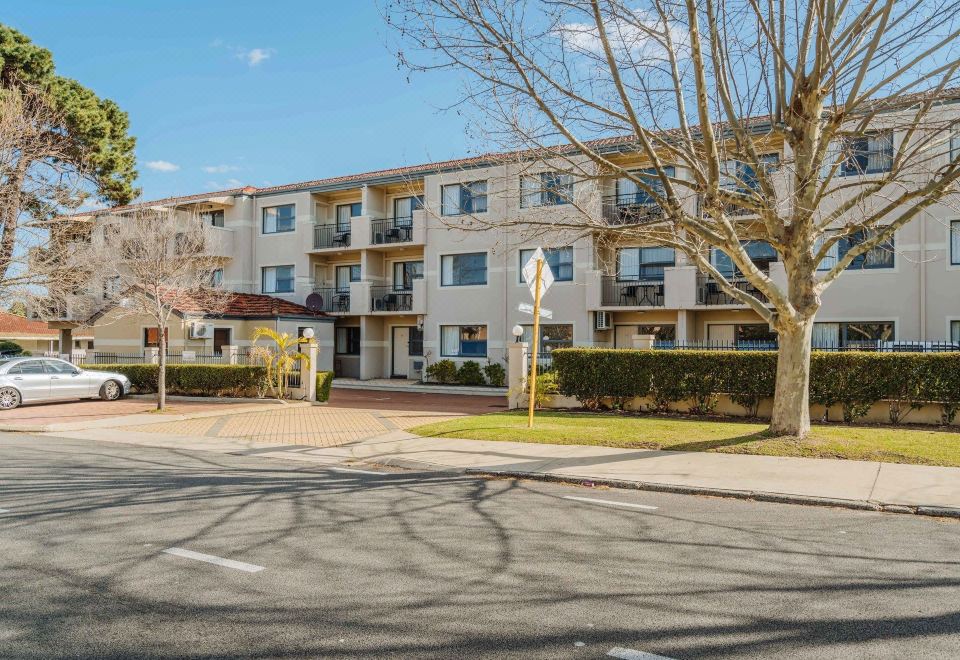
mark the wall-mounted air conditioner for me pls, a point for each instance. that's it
(200, 331)
(601, 321)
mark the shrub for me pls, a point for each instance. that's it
(444, 371)
(191, 379)
(324, 382)
(546, 387)
(470, 373)
(853, 380)
(8, 347)
(496, 374)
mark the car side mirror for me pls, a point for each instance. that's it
(77, 372)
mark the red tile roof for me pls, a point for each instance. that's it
(241, 305)
(17, 326)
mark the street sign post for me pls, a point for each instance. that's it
(539, 277)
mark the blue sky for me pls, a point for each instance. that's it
(260, 93)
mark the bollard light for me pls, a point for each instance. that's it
(517, 333)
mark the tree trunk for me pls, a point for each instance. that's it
(162, 374)
(791, 403)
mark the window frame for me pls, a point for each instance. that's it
(552, 188)
(460, 353)
(456, 255)
(350, 342)
(211, 217)
(276, 219)
(354, 269)
(641, 264)
(292, 278)
(346, 228)
(472, 188)
(526, 253)
(953, 232)
(416, 204)
(850, 154)
(402, 266)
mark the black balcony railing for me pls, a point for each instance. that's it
(709, 291)
(330, 300)
(388, 299)
(330, 236)
(631, 293)
(630, 209)
(391, 230)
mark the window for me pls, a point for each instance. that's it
(216, 277)
(277, 219)
(463, 269)
(741, 177)
(345, 275)
(347, 341)
(151, 337)
(111, 286)
(546, 189)
(665, 333)
(560, 261)
(403, 208)
(865, 154)
(955, 144)
(27, 367)
(551, 336)
(643, 263)
(404, 273)
(630, 193)
(955, 331)
(212, 218)
(852, 334)
(277, 279)
(881, 256)
(751, 333)
(344, 213)
(59, 367)
(955, 243)
(463, 340)
(761, 254)
(463, 198)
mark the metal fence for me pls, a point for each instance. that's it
(709, 291)
(544, 362)
(391, 230)
(388, 299)
(631, 293)
(876, 346)
(328, 236)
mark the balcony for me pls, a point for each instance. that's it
(391, 230)
(330, 236)
(631, 293)
(331, 300)
(388, 299)
(710, 293)
(630, 210)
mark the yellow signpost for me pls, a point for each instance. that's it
(536, 342)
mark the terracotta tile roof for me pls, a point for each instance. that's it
(13, 325)
(241, 305)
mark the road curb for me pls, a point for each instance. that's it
(757, 496)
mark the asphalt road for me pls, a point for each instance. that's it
(347, 564)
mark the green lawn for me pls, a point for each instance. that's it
(889, 444)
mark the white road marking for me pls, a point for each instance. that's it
(4, 510)
(630, 654)
(213, 559)
(355, 471)
(596, 501)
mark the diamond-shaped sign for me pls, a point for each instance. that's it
(530, 273)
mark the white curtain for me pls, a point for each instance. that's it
(451, 200)
(450, 340)
(826, 334)
(446, 270)
(830, 260)
(955, 331)
(530, 191)
(628, 263)
(269, 280)
(269, 221)
(955, 242)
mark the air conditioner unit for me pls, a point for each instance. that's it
(601, 321)
(200, 331)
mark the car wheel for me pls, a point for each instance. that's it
(9, 398)
(111, 391)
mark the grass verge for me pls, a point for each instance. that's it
(888, 444)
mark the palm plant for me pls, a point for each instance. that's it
(280, 358)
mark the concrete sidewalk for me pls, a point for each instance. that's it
(852, 484)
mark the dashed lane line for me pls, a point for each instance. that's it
(213, 559)
(630, 654)
(592, 500)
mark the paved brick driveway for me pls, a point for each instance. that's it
(43, 414)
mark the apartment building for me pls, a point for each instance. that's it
(403, 261)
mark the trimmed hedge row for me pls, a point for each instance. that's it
(324, 382)
(193, 379)
(853, 380)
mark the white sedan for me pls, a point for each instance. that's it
(33, 380)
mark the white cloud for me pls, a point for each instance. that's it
(224, 185)
(255, 56)
(642, 36)
(219, 169)
(162, 166)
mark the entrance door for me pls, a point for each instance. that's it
(401, 352)
(221, 338)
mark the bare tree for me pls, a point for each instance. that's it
(800, 124)
(148, 262)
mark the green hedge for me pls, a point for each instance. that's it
(192, 379)
(852, 380)
(324, 382)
